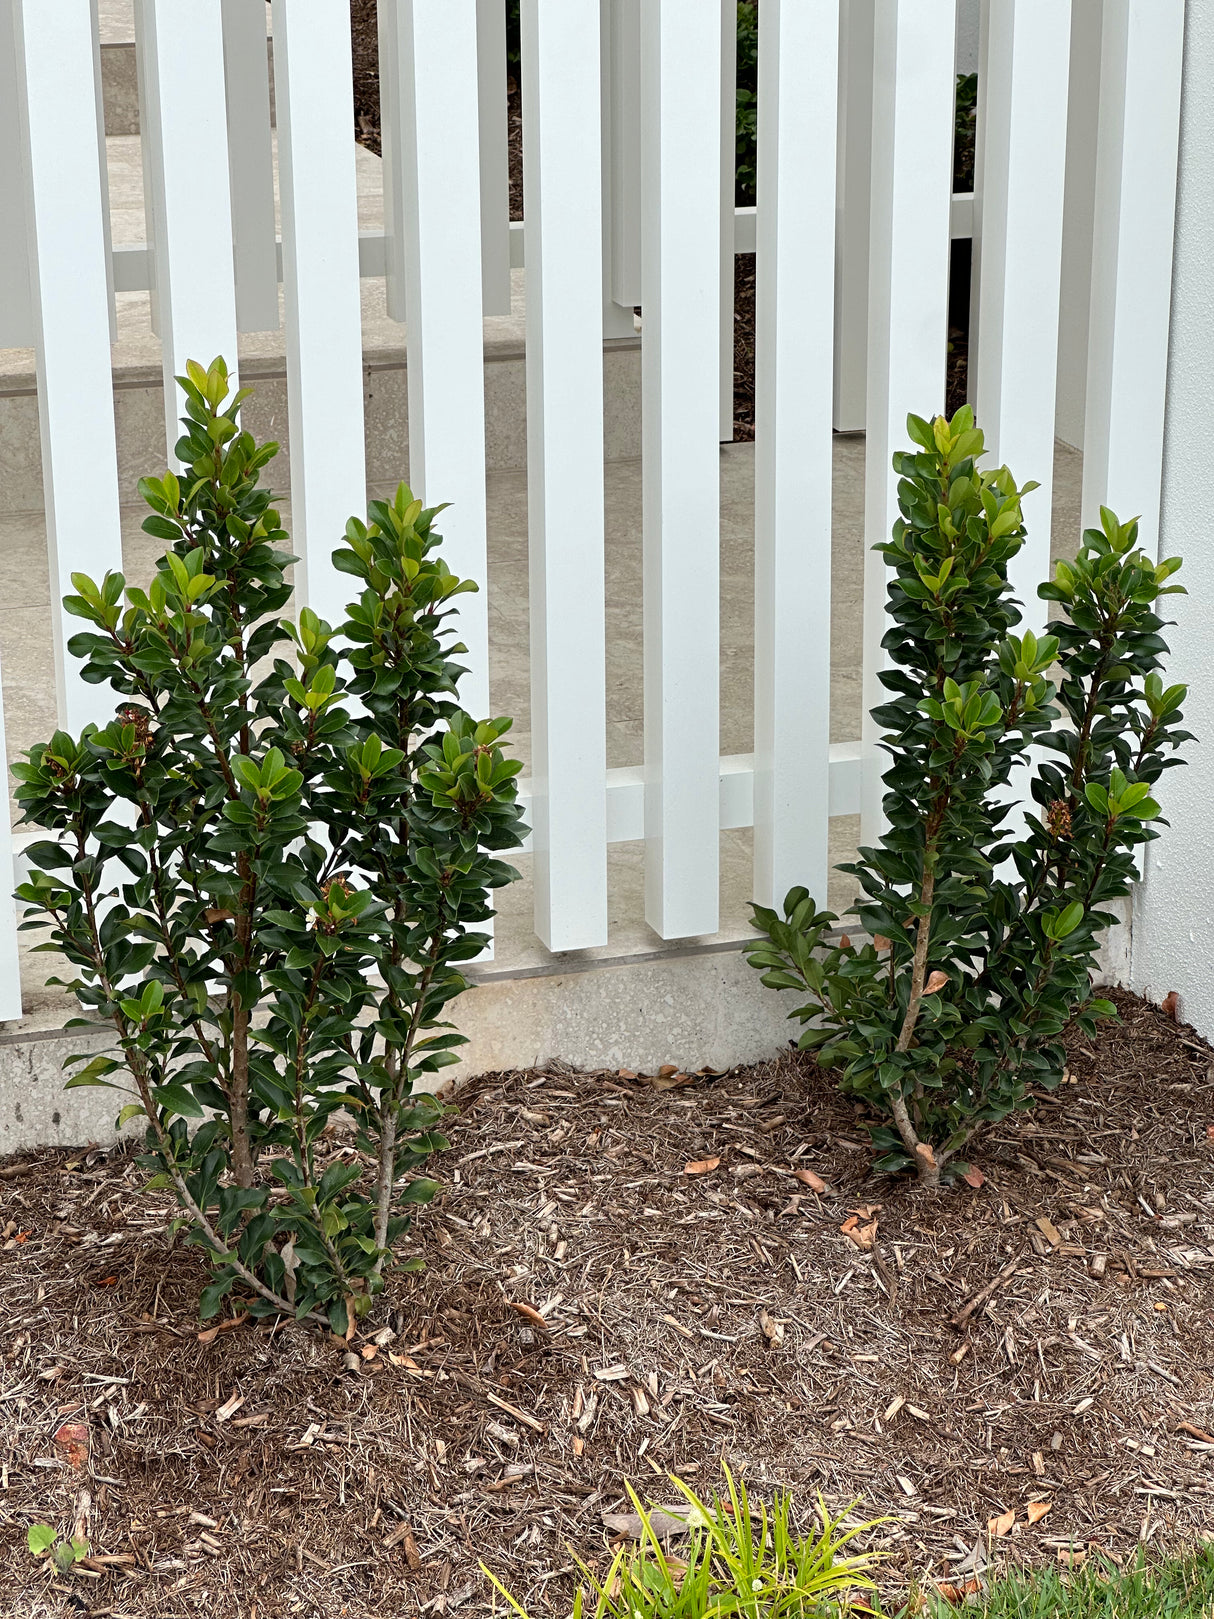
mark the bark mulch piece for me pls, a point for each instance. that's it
(629, 1277)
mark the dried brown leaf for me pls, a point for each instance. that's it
(73, 1440)
(817, 1184)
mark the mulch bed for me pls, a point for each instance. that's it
(1043, 1337)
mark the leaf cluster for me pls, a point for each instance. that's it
(985, 933)
(267, 870)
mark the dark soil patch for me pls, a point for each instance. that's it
(690, 1318)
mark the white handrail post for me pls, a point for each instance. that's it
(183, 112)
(912, 168)
(69, 291)
(680, 280)
(314, 103)
(798, 81)
(1138, 141)
(560, 40)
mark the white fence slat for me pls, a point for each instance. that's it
(798, 83)
(1133, 229)
(436, 210)
(314, 103)
(62, 161)
(852, 207)
(1018, 259)
(1083, 119)
(680, 368)
(183, 116)
(562, 168)
(16, 310)
(729, 164)
(912, 166)
(495, 156)
(251, 165)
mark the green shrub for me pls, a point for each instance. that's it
(268, 868)
(738, 1560)
(984, 941)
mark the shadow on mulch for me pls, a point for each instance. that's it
(1043, 1338)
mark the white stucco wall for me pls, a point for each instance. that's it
(1174, 910)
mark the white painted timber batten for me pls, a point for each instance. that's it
(912, 158)
(561, 167)
(680, 369)
(69, 284)
(432, 196)
(798, 44)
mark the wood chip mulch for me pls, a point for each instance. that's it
(595, 1312)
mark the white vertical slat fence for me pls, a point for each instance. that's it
(911, 189)
(629, 188)
(189, 198)
(798, 81)
(314, 98)
(680, 370)
(562, 166)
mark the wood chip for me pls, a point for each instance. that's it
(513, 1410)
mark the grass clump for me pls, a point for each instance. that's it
(1178, 1588)
(738, 1561)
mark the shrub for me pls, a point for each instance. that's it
(739, 1562)
(984, 942)
(268, 868)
